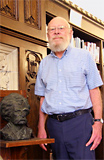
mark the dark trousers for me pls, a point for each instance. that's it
(71, 137)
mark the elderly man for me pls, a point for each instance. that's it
(68, 83)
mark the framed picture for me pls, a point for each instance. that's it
(8, 67)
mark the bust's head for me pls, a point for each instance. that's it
(14, 108)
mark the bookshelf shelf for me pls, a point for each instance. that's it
(83, 34)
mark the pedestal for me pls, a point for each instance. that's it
(17, 150)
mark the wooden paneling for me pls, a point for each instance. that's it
(32, 12)
(9, 8)
(22, 36)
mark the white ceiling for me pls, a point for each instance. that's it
(95, 7)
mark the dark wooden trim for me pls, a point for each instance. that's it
(4, 93)
(22, 36)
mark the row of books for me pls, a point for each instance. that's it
(90, 46)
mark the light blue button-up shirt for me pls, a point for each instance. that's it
(65, 82)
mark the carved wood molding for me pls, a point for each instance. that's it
(9, 8)
(22, 36)
(32, 12)
(33, 60)
(69, 5)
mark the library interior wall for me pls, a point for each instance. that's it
(23, 45)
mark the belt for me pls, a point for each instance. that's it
(67, 116)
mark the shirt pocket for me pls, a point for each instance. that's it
(76, 78)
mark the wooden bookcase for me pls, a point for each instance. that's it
(89, 37)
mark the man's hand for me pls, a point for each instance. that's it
(96, 135)
(42, 134)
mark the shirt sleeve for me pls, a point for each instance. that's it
(92, 74)
(39, 86)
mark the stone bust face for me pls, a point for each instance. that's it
(19, 113)
(14, 108)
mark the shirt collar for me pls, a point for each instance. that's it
(66, 52)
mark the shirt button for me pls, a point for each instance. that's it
(59, 91)
(60, 81)
(59, 102)
(60, 70)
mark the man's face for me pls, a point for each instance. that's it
(59, 35)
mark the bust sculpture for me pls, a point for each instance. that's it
(14, 108)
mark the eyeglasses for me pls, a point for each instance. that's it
(59, 28)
